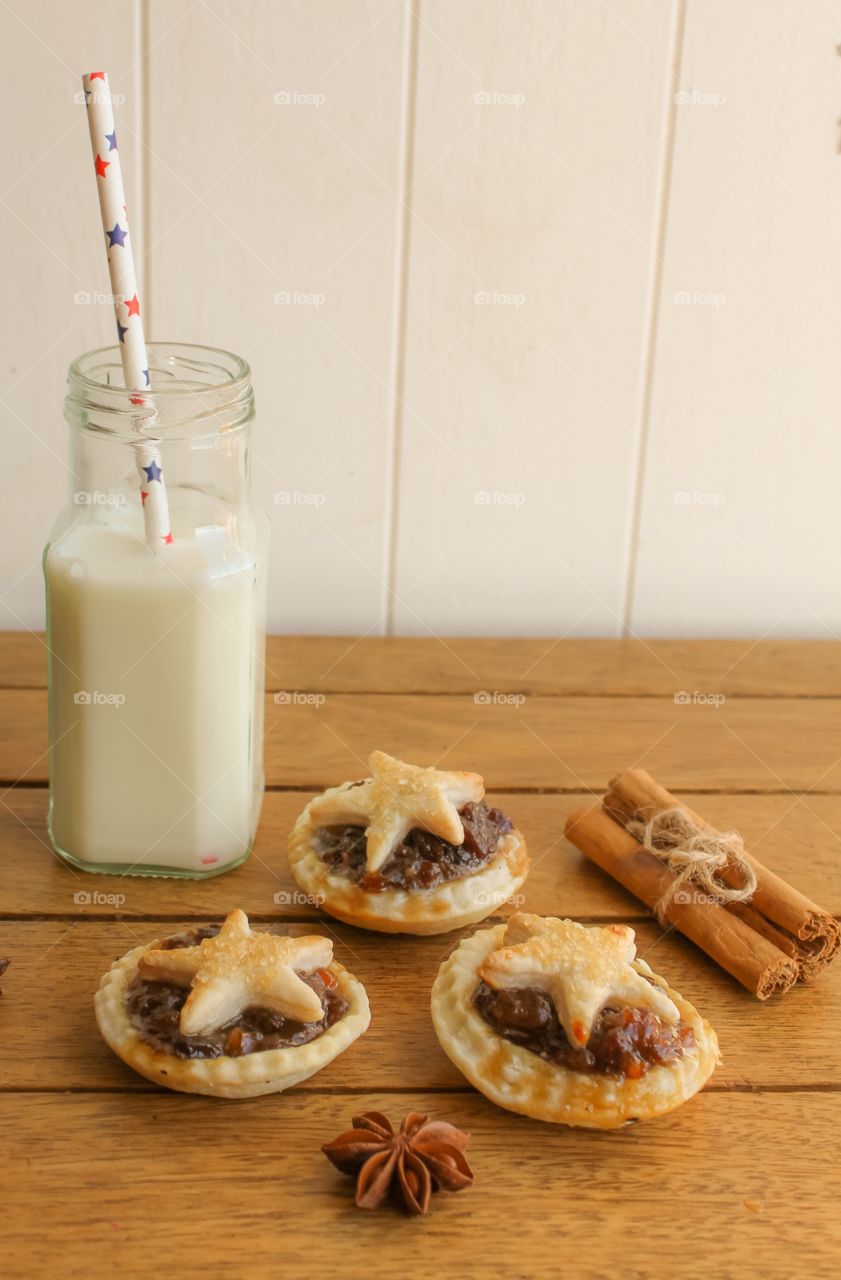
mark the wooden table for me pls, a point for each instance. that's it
(104, 1174)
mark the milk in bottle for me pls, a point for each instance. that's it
(156, 656)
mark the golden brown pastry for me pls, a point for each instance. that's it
(229, 1012)
(408, 850)
(563, 1023)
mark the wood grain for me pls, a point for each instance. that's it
(64, 1050)
(406, 664)
(101, 1161)
(544, 743)
(795, 836)
(223, 1187)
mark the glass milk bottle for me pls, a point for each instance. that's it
(157, 655)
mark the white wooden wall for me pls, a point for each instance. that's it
(542, 298)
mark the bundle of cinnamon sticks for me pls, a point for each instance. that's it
(768, 943)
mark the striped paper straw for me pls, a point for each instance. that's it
(112, 205)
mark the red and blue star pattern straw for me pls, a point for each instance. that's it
(112, 204)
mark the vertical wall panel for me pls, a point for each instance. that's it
(54, 263)
(538, 150)
(509, 307)
(741, 520)
(275, 136)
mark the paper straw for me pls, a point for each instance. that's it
(112, 205)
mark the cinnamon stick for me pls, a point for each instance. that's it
(776, 910)
(755, 962)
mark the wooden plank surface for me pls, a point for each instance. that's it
(796, 836)
(400, 664)
(543, 743)
(232, 1189)
(100, 1159)
(65, 1050)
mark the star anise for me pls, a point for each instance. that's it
(425, 1156)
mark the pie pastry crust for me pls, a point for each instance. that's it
(247, 1076)
(519, 1080)
(451, 905)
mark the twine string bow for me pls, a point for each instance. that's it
(698, 856)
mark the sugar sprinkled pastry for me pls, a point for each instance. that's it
(228, 1011)
(564, 1023)
(407, 850)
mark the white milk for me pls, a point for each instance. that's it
(156, 697)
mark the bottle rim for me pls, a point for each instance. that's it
(195, 391)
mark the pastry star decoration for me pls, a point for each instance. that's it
(395, 800)
(237, 969)
(582, 970)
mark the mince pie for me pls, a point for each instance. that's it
(408, 850)
(563, 1023)
(225, 1011)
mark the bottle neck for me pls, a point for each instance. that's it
(198, 413)
(205, 484)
